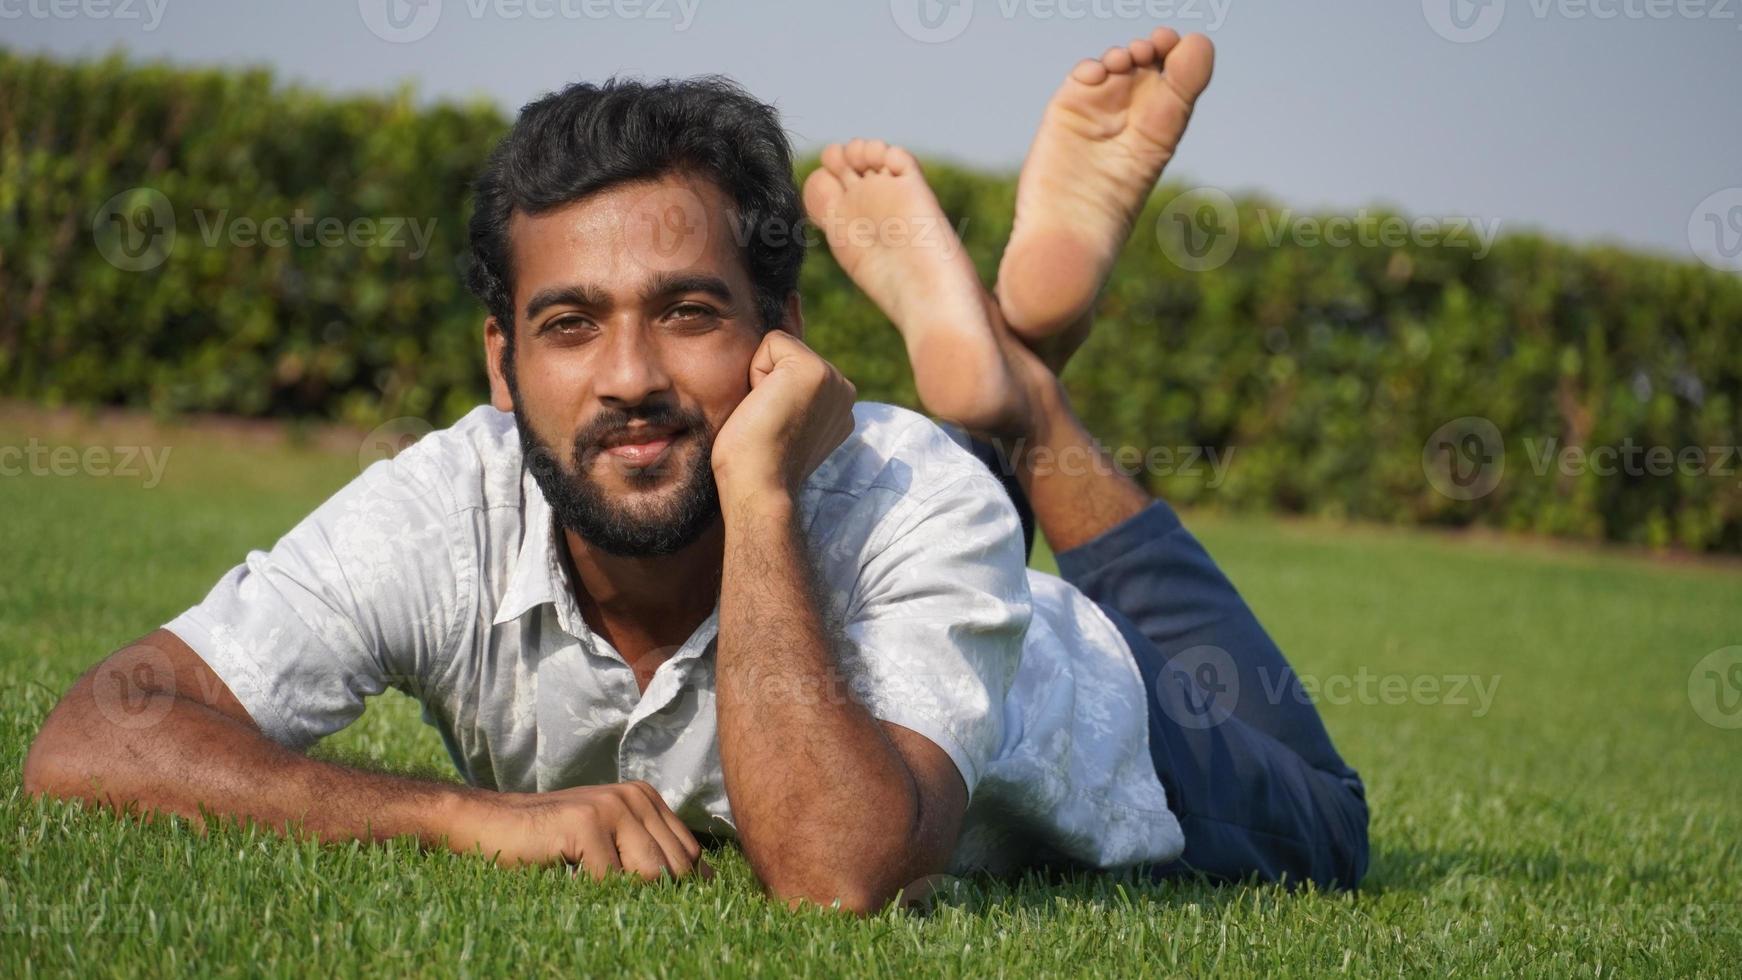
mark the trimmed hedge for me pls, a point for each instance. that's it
(1314, 376)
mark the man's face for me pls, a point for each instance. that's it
(635, 326)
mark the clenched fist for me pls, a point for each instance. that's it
(800, 408)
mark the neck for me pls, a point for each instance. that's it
(665, 594)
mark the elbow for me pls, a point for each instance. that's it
(59, 762)
(852, 894)
(861, 882)
(45, 767)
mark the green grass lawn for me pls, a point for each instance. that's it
(1584, 818)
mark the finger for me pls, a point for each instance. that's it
(642, 805)
(641, 854)
(686, 840)
(598, 855)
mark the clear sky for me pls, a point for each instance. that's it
(1612, 119)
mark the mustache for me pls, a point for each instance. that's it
(613, 422)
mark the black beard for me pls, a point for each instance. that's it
(581, 506)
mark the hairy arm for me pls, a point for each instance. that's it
(831, 804)
(151, 729)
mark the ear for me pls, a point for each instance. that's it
(495, 342)
(792, 316)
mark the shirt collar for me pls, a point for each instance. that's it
(539, 576)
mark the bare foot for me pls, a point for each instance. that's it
(1105, 137)
(885, 228)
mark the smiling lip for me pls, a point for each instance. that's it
(641, 453)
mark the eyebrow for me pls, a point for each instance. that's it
(571, 295)
(671, 284)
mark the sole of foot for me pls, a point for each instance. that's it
(886, 229)
(1103, 141)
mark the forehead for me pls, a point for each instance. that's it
(621, 237)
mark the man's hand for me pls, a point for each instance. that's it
(620, 826)
(800, 408)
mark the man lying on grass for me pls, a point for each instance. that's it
(673, 580)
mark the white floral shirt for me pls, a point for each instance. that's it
(437, 573)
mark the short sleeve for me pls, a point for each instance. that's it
(936, 624)
(360, 596)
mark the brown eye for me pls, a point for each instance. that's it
(566, 325)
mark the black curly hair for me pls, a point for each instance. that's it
(586, 138)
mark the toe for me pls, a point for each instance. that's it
(856, 155)
(1142, 52)
(822, 190)
(835, 159)
(1189, 66)
(1089, 71)
(1164, 38)
(899, 161)
(1117, 60)
(875, 151)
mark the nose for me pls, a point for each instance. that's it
(630, 369)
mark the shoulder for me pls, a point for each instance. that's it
(901, 496)
(898, 452)
(473, 464)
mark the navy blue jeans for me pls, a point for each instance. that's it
(1247, 764)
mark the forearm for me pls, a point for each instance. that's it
(192, 757)
(824, 805)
